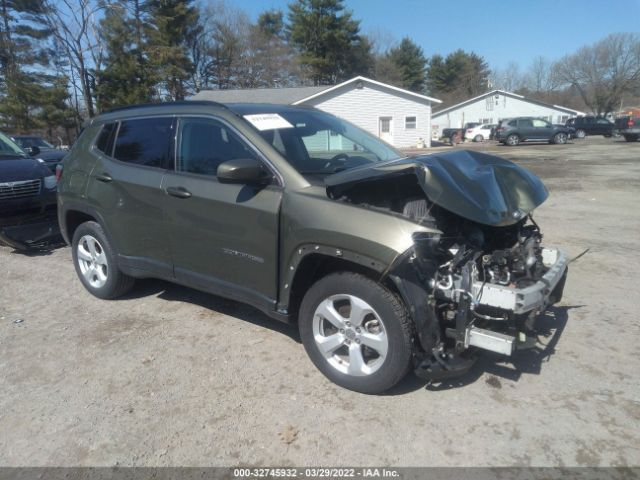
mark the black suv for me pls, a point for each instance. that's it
(590, 125)
(513, 131)
(27, 197)
(40, 149)
(383, 261)
(629, 127)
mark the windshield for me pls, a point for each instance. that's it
(316, 142)
(27, 142)
(8, 148)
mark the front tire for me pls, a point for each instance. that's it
(95, 261)
(512, 140)
(478, 138)
(580, 133)
(356, 332)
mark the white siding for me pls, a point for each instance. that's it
(363, 107)
(494, 109)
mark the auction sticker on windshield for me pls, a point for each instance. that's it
(267, 121)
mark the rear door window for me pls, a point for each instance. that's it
(539, 123)
(146, 141)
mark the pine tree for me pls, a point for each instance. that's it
(458, 76)
(409, 59)
(24, 45)
(173, 24)
(126, 78)
(271, 23)
(328, 40)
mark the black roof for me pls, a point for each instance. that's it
(252, 108)
(166, 104)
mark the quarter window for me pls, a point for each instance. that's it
(146, 141)
(206, 143)
(105, 139)
(410, 123)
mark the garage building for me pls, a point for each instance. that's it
(398, 116)
(496, 105)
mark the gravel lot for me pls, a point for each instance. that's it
(171, 376)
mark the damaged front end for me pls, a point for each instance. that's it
(482, 281)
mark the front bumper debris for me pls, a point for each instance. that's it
(523, 300)
(34, 235)
(530, 300)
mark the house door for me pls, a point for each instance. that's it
(385, 129)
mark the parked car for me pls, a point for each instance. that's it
(513, 131)
(456, 135)
(590, 125)
(629, 127)
(384, 261)
(481, 133)
(37, 147)
(28, 212)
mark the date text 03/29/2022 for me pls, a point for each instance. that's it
(315, 473)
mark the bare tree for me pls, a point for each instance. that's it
(541, 76)
(232, 52)
(74, 26)
(381, 40)
(509, 78)
(603, 73)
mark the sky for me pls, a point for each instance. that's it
(499, 30)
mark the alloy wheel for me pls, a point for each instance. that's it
(350, 335)
(92, 261)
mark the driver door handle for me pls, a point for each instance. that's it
(179, 192)
(104, 177)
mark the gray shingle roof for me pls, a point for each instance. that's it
(284, 96)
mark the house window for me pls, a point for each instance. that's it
(484, 121)
(489, 103)
(409, 123)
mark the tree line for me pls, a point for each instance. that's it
(63, 61)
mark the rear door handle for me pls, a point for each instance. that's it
(179, 192)
(104, 177)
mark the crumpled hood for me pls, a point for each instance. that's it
(483, 188)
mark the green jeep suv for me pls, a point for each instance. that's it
(385, 262)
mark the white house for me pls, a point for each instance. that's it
(398, 116)
(495, 105)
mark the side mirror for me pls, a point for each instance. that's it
(248, 171)
(33, 151)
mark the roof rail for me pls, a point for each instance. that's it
(165, 104)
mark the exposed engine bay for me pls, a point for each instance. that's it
(474, 285)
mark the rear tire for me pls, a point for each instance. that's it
(631, 138)
(560, 138)
(356, 332)
(95, 261)
(478, 138)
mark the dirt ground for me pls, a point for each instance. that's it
(171, 376)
